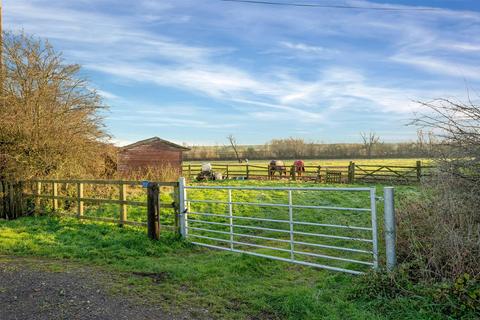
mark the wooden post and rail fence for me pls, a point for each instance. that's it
(38, 196)
(351, 173)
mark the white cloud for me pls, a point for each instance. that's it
(465, 46)
(282, 111)
(440, 66)
(298, 46)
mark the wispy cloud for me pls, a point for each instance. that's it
(440, 66)
(257, 65)
(318, 51)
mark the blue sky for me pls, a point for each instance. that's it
(195, 71)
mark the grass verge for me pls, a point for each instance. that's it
(185, 277)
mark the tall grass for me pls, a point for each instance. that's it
(161, 172)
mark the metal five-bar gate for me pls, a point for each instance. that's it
(307, 226)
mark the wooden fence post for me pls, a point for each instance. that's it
(55, 195)
(2, 201)
(153, 211)
(18, 199)
(123, 205)
(189, 171)
(227, 172)
(319, 177)
(38, 192)
(11, 200)
(351, 172)
(293, 173)
(6, 203)
(176, 201)
(248, 171)
(419, 170)
(79, 201)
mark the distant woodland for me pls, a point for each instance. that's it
(293, 148)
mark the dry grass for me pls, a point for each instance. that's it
(439, 233)
(164, 172)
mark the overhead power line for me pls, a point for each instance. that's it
(317, 5)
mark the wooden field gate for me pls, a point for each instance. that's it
(351, 173)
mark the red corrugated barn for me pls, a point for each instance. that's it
(153, 152)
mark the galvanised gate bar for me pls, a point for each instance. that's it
(308, 226)
(346, 242)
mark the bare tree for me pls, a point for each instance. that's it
(456, 127)
(50, 121)
(445, 220)
(288, 148)
(370, 140)
(233, 143)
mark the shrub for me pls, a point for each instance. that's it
(439, 233)
(460, 298)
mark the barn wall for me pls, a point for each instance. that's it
(151, 155)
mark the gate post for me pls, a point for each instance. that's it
(153, 211)
(373, 211)
(419, 169)
(182, 196)
(351, 172)
(390, 232)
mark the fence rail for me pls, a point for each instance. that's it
(45, 195)
(350, 173)
(298, 233)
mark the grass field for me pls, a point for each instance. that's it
(229, 285)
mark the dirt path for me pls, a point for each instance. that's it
(36, 289)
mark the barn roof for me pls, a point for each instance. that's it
(152, 140)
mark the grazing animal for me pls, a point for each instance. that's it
(299, 167)
(276, 166)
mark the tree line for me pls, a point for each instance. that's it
(295, 148)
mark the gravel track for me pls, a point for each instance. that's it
(36, 289)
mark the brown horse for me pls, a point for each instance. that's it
(299, 167)
(276, 166)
